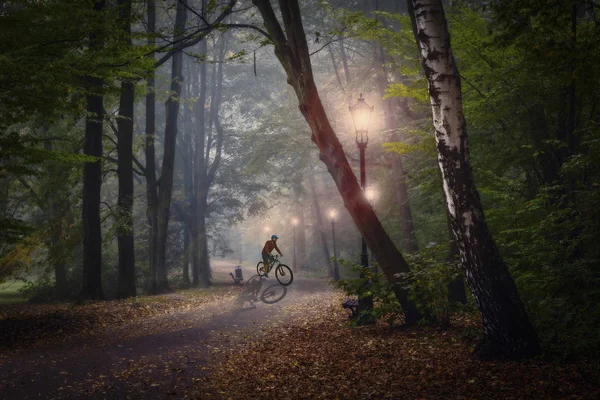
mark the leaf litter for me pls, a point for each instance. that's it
(306, 350)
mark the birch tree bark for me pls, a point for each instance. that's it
(507, 330)
(292, 51)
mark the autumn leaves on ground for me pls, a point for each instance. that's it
(261, 341)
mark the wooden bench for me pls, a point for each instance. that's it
(352, 305)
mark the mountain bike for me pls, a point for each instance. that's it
(283, 273)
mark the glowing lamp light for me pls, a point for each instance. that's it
(371, 194)
(361, 116)
(332, 214)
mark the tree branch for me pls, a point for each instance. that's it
(248, 26)
(187, 43)
(32, 192)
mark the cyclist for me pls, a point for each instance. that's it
(266, 252)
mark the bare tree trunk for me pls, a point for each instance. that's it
(301, 227)
(151, 183)
(187, 150)
(167, 170)
(186, 254)
(199, 176)
(344, 61)
(507, 330)
(58, 211)
(126, 285)
(206, 143)
(92, 179)
(300, 236)
(320, 226)
(407, 227)
(335, 68)
(203, 257)
(292, 51)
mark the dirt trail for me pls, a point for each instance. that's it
(161, 357)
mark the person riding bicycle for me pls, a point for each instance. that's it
(266, 252)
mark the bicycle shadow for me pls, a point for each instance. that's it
(254, 293)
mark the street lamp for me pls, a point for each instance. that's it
(361, 116)
(336, 271)
(372, 194)
(294, 223)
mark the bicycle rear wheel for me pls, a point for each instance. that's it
(284, 275)
(260, 268)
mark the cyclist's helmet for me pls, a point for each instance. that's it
(274, 237)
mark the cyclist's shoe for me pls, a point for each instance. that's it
(266, 275)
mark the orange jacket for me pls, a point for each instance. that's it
(269, 246)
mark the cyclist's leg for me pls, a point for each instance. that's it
(271, 260)
(266, 261)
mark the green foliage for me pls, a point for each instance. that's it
(418, 93)
(518, 62)
(39, 291)
(369, 283)
(430, 276)
(428, 281)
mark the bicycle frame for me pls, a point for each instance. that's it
(274, 263)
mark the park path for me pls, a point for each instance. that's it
(167, 356)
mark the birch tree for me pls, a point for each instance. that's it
(506, 327)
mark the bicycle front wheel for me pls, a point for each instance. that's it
(284, 275)
(260, 268)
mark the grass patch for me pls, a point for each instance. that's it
(9, 292)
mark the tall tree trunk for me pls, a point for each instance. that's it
(199, 175)
(507, 330)
(58, 211)
(407, 227)
(92, 178)
(126, 285)
(335, 68)
(301, 227)
(151, 184)
(203, 256)
(456, 287)
(165, 190)
(204, 185)
(344, 61)
(292, 51)
(187, 151)
(320, 227)
(186, 254)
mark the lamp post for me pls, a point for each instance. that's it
(371, 193)
(361, 116)
(336, 270)
(294, 223)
